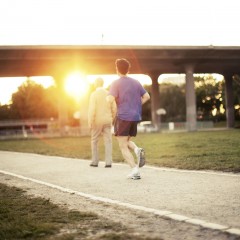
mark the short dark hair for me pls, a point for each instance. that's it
(122, 65)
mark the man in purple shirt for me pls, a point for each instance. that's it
(129, 95)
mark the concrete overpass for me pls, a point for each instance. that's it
(57, 61)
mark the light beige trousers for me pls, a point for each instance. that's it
(105, 131)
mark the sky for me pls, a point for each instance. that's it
(130, 22)
(111, 22)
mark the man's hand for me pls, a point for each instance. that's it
(145, 97)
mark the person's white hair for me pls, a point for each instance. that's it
(99, 82)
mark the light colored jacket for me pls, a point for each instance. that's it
(100, 110)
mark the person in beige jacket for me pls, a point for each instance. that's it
(101, 114)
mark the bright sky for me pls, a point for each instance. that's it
(151, 22)
(111, 22)
(75, 84)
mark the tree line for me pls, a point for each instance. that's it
(210, 100)
(33, 101)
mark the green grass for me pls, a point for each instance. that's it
(196, 151)
(223, 124)
(209, 150)
(22, 217)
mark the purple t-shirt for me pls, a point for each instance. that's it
(128, 94)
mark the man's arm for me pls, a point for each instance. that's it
(91, 111)
(110, 98)
(113, 109)
(145, 97)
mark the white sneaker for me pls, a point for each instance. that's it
(141, 157)
(134, 174)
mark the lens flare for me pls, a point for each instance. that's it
(76, 85)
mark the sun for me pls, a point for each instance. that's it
(76, 85)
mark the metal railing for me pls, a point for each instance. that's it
(55, 131)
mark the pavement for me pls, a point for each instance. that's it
(206, 198)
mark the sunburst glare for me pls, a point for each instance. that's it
(76, 85)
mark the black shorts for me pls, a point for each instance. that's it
(125, 128)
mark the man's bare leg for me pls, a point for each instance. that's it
(132, 146)
(140, 154)
(127, 155)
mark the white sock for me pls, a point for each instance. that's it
(135, 170)
(136, 150)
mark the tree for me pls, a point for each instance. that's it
(146, 107)
(236, 88)
(33, 101)
(5, 112)
(210, 98)
(172, 99)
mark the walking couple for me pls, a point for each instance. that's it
(123, 104)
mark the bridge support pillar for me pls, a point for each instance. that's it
(191, 113)
(229, 101)
(155, 99)
(62, 106)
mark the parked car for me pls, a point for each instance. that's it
(146, 127)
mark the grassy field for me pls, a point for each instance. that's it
(22, 217)
(208, 150)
